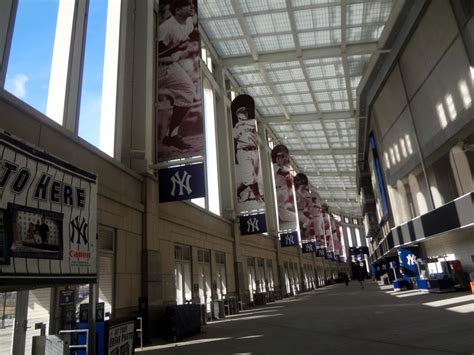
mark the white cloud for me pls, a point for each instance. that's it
(17, 85)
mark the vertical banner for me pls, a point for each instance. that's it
(327, 232)
(248, 173)
(249, 181)
(285, 196)
(48, 217)
(318, 224)
(304, 206)
(179, 121)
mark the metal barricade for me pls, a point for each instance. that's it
(140, 330)
(72, 331)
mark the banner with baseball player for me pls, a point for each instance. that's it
(328, 232)
(179, 121)
(249, 181)
(318, 223)
(48, 218)
(285, 195)
(306, 213)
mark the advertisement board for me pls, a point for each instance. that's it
(48, 218)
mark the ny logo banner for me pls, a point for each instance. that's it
(309, 247)
(253, 224)
(330, 255)
(321, 252)
(182, 183)
(289, 239)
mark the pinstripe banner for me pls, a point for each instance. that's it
(47, 218)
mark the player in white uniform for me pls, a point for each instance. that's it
(284, 187)
(246, 147)
(174, 36)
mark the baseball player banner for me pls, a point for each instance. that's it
(182, 183)
(48, 218)
(305, 208)
(284, 189)
(179, 121)
(249, 181)
(253, 224)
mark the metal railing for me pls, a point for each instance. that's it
(71, 331)
(140, 330)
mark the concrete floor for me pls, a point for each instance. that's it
(341, 319)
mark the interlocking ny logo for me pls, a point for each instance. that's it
(309, 247)
(82, 230)
(182, 182)
(252, 225)
(411, 259)
(289, 239)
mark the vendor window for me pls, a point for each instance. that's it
(182, 273)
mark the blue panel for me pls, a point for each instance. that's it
(321, 252)
(309, 247)
(407, 257)
(289, 239)
(253, 224)
(182, 183)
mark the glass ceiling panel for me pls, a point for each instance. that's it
(274, 43)
(365, 33)
(221, 29)
(321, 17)
(268, 24)
(294, 74)
(282, 65)
(368, 12)
(329, 84)
(295, 109)
(255, 91)
(313, 126)
(297, 3)
(269, 111)
(357, 63)
(244, 69)
(250, 79)
(261, 5)
(214, 8)
(313, 134)
(319, 38)
(229, 48)
(291, 88)
(265, 101)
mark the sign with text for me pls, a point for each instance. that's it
(120, 337)
(48, 221)
(253, 224)
(182, 183)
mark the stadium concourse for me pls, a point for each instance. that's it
(340, 319)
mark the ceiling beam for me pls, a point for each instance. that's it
(309, 117)
(333, 151)
(290, 55)
(334, 174)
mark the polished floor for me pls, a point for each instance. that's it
(341, 319)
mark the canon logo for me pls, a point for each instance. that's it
(79, 254)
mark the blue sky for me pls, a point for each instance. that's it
(29, 64)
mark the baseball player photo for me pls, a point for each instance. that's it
(247, 158)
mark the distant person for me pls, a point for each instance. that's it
(361, 277)
(345, 278)
(43, 230)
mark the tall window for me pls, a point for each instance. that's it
(205, 292)
(45, 64)
(182, 273)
